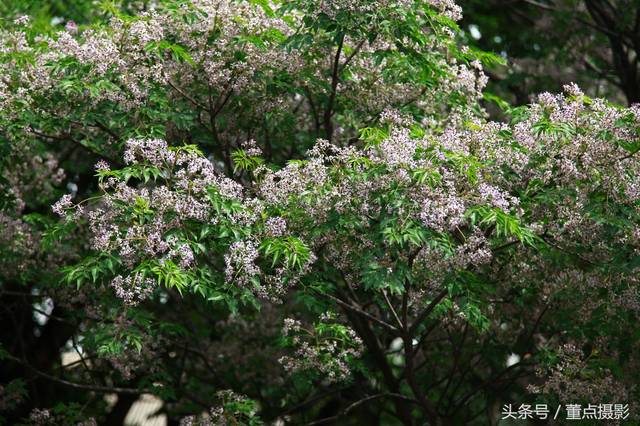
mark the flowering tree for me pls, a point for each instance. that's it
(299, 213)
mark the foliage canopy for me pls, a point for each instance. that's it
(299, 212)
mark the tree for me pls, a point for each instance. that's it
(299, 212)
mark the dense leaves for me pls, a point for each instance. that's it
(299, 212)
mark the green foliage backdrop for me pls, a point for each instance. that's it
(302, 212)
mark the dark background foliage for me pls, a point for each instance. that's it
(550, 43)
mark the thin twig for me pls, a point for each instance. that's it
(362, 313)
(187, 96)
(93, 388)
(425, 313)
(393, 311)
(358, 403)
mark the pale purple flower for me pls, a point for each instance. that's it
(61, 206)
(240, 262)
(102, 166)
(22, 20)
(275, 227)
(133, 290)
(71, 27)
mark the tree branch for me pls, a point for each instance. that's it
(328, 113)
(362, 313)
(425, 313)
(92, 388)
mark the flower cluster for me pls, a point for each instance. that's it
(149, 209)
(251, 148)
(180, 194)
(329, 348)
(34, 176)
(571, 380)
(19, 245)
(275, 227)
(132, 290)
(394, 117)
(62, 205)
(232, 409)
(294, 179)
(448, 8)
(496, 197)
(443, 210)
(240, 263)
(40, 417)
(44, 417)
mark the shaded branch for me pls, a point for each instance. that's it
(92, 388)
